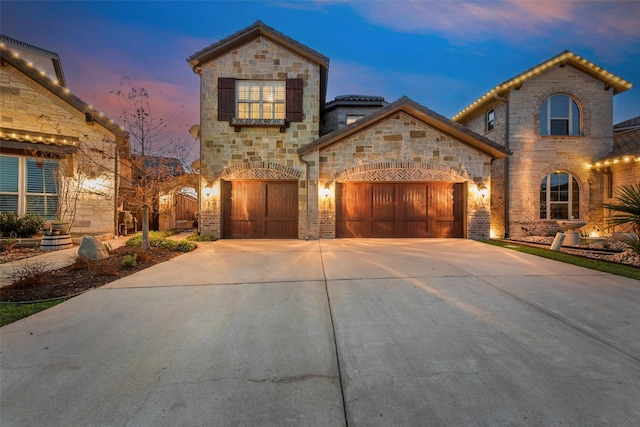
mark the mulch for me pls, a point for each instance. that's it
(35, 283)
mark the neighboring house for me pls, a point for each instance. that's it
(265, 173)
(556, 118)
(621, 167)
(346, 109)
(58, 155)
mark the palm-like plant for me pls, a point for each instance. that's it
(627, 213)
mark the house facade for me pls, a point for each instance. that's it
(58, 155)
(556, 118)
(278, 162)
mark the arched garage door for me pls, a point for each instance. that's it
(387, 209)
(260, 209)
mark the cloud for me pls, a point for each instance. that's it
(512, 20)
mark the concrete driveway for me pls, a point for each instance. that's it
(331, 333)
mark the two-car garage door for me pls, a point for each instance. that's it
(433, 209)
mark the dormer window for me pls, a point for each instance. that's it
(559, 115)
(490, 120)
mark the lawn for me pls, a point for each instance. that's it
(594, 264)
(10, 312)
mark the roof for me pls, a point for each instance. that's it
(356, 100)
(249, 33)
(627, 124)
(44, 58)
(565, 58)
(421, 113)
(15, 60)
(259, 29)
(626, 148)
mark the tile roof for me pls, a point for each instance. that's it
(14, 59)
(627, 124)
(566, 57)
(418, 111)
(626, 147)
(356, 100)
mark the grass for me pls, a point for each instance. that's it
(594, 264)
(10, 312)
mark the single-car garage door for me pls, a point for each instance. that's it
(260, 209)
(432, 209)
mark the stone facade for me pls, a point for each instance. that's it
(517, 126)
(30, 109)
(260, 152)
(402, 148)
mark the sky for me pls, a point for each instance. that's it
(442, 54)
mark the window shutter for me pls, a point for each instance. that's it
(226, 98)
(294, 100)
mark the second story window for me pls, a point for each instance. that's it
(559, 115)
(260, 99)
(491, 118)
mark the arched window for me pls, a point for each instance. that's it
(559, 115)
(491, 119)
(559, 196)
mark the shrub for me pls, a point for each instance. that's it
(200, 238)
(627, 208)
(157, 240)
(30, 275)
(7, 244)
(130, 261)
(14, 226)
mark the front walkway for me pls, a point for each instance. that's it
(334, 332)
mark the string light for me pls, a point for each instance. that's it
(539, 69)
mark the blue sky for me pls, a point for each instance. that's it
(442, 54)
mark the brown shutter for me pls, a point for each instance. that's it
(294, 100)
(226, 98)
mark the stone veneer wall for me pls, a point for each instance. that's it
(222, 148)
(535, 156)
(402, 148)
(27, 106)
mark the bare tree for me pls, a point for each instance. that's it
(157, 156)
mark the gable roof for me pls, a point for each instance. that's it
(242, 37)
(421, 113)
(44, 58)
(15, 60)
(565, 58)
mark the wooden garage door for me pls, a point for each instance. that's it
(432, 209)
(260, 209)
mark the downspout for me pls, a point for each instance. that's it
(116, 185)
(307, 168)
(507, 180)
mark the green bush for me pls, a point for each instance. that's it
(627, 213)
(130, 261)
(157, 240)
(14, 226)
(200, 238)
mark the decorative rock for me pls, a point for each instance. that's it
(92, 249)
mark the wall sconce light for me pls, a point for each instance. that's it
(483, 190)
(325, 192)
(211, 190)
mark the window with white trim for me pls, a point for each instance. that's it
(29, 185)
(490, 119)
(559, 115)
(559, 196)
(260, 99)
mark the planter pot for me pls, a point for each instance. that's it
(62, 227)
